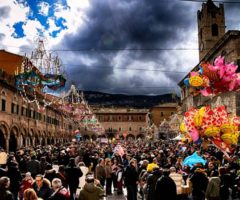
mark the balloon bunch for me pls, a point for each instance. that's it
(213, 124)
(214, 79)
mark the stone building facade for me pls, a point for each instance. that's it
(162, 112)
(216, 42)
(123, 122)
(22, 123)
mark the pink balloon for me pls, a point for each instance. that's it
(195, 135)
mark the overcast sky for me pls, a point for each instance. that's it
(114, 46)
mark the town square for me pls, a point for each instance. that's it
(115, 100)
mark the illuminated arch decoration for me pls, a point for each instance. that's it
(38, 73)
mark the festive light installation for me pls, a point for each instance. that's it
(40, 71)
(76, 108)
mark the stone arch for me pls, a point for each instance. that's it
(130, 137)
(23, 135)
(94, 137)
(13, 138)
(4, 132)
(110, 135)
(86, 137)
(3, 93)
(141, 136)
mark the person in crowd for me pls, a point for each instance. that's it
(114, 173)
(165, 187)
(100, 172)
(119, 174)
(199, 182)
(62, 176)
(150, 191)
(213, 187)
(5, 193)
(49, 173)
(15, 176)
(108, 170)
(30, 194)
(73, 173)
(92, 189)
(42, 187)
(131, 180)
(33, 166)
(60, 192)
(210, 167)
(43, 164)
(25, 184)
(178, 179)
(84, 170)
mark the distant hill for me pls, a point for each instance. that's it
(121, 100)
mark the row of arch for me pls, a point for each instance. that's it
(111, 136)
(15, 137)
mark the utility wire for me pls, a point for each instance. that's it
(205, 1)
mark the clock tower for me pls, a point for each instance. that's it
(211, 26)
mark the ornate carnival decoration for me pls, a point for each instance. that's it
(38, 74)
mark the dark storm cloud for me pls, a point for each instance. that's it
(4, 11)
(112, 27)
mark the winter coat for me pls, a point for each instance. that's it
(25, 184)
(166, 189)
(151, 184)
(60, 194)
(45, 191)
(91, 192)
(130, 176)
(73, 173)
(6, 195)
(213, 188)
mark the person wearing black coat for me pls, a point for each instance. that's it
(166, 188)
(131, 180)
(42, 187)
(15, 178)
(73, 173)
(199, 183)
(5, 194)
(151, 183)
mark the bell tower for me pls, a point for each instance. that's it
(211, 26)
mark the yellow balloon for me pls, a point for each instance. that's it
(227, 128)
(183, 128)
(230, 138)
(195, 81)
(198, 117)
(212, 131)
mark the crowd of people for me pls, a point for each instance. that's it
(147, 169)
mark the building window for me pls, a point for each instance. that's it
(130, 128)
(119, 129)
(3, 105)
(129, 118)
(140, 128)
(119, 118)
(214, 30)
(213, 14)
(172, 113)
(161, 114)
(140, 118)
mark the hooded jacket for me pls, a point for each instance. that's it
(91, 192)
